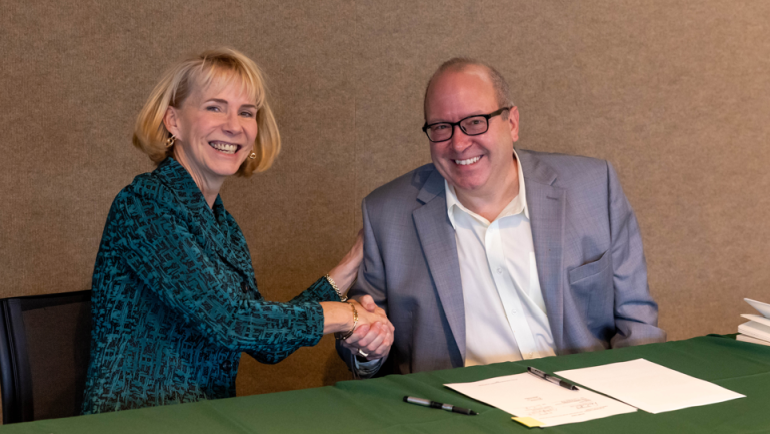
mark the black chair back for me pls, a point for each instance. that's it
(44, 349)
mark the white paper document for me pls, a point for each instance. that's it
(756, 328)
(649, 386)
(756, 318)
(525, 395)
(763, 308)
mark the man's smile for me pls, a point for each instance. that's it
(469, 161)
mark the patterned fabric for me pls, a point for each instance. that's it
(175, 301)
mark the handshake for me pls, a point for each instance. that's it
(373, 336)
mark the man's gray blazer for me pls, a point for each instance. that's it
(588, 249)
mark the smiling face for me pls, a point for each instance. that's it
(215, 129)
(480, 165)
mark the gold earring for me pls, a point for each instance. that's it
(252, 156)
(170, 141)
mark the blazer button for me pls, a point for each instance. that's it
(226, 365)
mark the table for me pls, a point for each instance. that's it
(375, 406)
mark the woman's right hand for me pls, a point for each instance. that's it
(374, 334)
(369, 313)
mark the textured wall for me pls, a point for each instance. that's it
(675, 94)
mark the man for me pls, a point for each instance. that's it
(495, 254)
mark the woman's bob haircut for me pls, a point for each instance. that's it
(150, 134)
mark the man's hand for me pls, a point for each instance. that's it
(374, 336)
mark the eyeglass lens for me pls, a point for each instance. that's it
(471, 126)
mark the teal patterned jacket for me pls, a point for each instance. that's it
(175, 301)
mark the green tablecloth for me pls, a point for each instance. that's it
(375, 406)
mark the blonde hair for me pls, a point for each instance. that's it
(150, 134)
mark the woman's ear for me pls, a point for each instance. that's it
(171, 121)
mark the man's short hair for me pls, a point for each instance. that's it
(502, 91)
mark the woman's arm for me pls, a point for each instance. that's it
(209, 293)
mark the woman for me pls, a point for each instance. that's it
(175, 299)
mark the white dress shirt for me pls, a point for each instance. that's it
(505, 315)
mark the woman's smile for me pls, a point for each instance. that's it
(224, 147)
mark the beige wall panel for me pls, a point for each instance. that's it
(674, 94)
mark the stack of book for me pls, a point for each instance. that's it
(757, 330)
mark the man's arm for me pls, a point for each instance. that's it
(370, 291)
(636, 313)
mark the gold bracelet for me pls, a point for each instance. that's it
(340, 336)
(336, 289)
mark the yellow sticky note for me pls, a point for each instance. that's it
(528, 421)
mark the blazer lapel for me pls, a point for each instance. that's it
(439, 245)
(547, 207)
(219, 228)
(211, 227)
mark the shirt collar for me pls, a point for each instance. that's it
(176, 177)
(516, 206)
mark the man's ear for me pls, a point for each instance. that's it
(171, 121)
(513, 123)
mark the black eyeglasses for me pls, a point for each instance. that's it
(471, 126)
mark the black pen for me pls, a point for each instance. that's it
(434, 404)
(555, 380)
